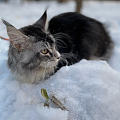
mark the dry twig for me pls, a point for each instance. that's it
(4, 38)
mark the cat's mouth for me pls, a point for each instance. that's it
(49, 64)
(39, 65)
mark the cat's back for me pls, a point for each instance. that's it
(72, 21)
(88, 35)
(69, 17)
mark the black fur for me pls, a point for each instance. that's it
(87, 37)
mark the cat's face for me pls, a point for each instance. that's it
(41, 53)
(31, 47)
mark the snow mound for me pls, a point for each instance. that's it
(89, 90)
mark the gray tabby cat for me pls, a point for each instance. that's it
(32, 53)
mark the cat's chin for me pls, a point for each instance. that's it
(49, 64)
(34, 76)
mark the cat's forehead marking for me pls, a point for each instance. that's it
(38, 45)
(48, 45)
(52, 38)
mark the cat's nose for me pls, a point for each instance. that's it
(58, 58)
(57, 55)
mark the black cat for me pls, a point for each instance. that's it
(87, 38)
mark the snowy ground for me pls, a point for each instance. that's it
(89, 89)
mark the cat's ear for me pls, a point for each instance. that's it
(17, 38)
(42, 21)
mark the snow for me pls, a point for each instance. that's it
(90, 90)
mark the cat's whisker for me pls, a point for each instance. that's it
(64, 60)
(71, 57)
(61, 35)
(59, 40)
(60, 45)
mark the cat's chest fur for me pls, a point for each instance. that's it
(34, 76)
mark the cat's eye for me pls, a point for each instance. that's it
(45, 51)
